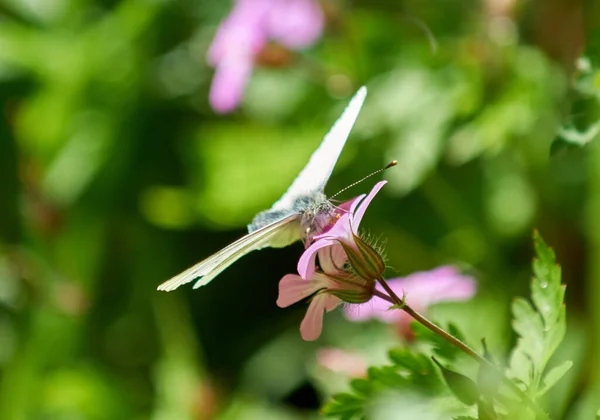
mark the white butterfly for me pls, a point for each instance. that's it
(302, 210)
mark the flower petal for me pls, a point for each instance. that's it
(295, 23)
(293, 288)
(332, 302)
(306, 264)
(375, 308)
(343, 211)
(423, 288)
(332, 259)
(241, 32)
(312, 324)
(442, 284)
(360, 212)
(229, 82)
(347, 362)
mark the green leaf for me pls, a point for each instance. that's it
(488, 378)
(554, 375)
(410, 371)
(485, 411)
(441, 347)
(361, 386)
(418, 369)
(461, 386)
(387, 377)
(541, 323)
(343, 406)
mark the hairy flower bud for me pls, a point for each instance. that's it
(364, 259)
(356, 290)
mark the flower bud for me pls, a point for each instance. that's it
(355, 292)
(365, 260)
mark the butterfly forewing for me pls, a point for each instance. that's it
(317, 171)
(212, 266)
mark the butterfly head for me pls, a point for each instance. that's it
(317, 214)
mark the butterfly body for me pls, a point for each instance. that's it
(300, 214)
(313, 213)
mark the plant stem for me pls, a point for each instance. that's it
(393, 298)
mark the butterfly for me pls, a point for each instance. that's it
(302, 212)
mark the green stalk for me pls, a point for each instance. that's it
(593, 278)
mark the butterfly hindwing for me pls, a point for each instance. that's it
(212, 266)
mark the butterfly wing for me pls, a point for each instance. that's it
(208, 269)
(317, 171)
(312, 179)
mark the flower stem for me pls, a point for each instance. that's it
(393, 298)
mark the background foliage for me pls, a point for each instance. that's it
(115, 174)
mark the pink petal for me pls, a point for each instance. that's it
(292, 289)
(340, 231)
(342, 361)
(312, 324)
(295, 23)
(374, 308)
(424, 288)
(348, 206)
(332, 303)
(360, 212)
(306, 264)
(332, 259)
(442, 284)
(229, 83)
(242, 32)
(345, 209)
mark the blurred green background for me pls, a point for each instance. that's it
(115, 174)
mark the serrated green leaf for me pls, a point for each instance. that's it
(361, 386)
(441, 347)
(418, 369)
(485, 411)
(410, 370)
(461, 386)
(413, 362)
(387, 376)
(344, 406)
(554, 375)
(541, 324)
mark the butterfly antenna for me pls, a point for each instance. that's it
(388, 166)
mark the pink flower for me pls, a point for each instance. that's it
(341, 361)
(332, 282)
(293, 288)
(245, 32)
(342, 237)
(328, 287)
(422, 289)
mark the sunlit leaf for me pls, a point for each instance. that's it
(540, 325)
(461, 386)
(554, 375)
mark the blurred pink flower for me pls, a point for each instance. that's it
(422, 289)
(341, 361)
(343, 232)
(245, 32)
